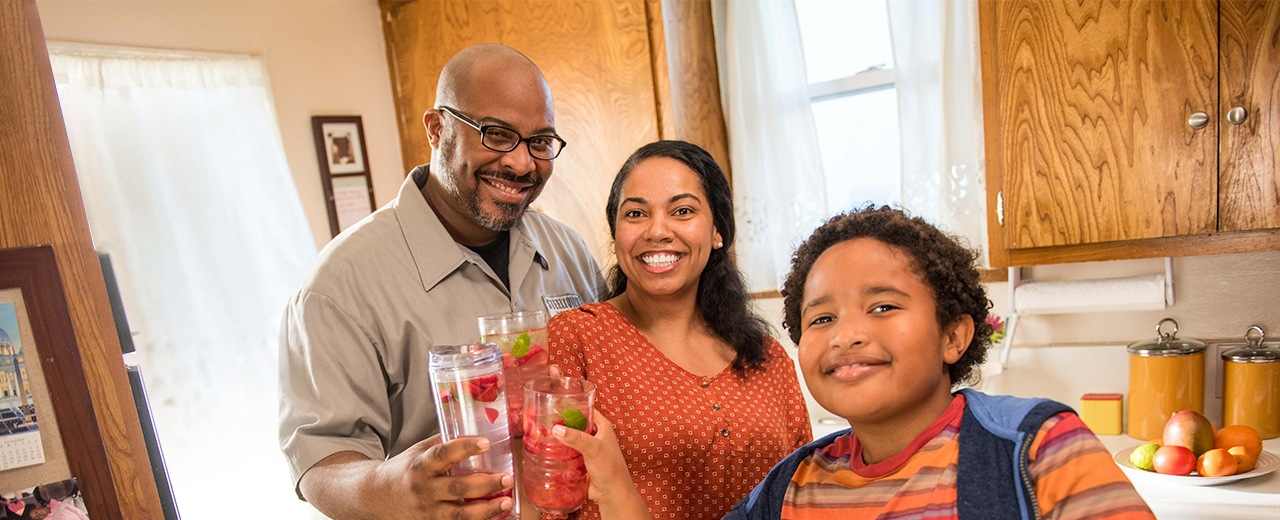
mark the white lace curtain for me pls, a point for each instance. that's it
(185, 183)
(777, 171)
(778, 188)
(935, 47)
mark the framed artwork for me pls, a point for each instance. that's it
(48, 390)
(344, 169)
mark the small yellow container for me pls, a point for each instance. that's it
(1101, 413)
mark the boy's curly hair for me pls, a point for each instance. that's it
(946, 267)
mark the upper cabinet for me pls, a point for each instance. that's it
(1130, 129)
(1249, 146)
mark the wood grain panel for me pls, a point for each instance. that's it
(690, 84)
(661, 71)
(40, 205)
(1094, 98)
(1248, 184)
(596, 58)
(993, 132)
(1188, 245)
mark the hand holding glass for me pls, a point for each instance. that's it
(470, 402)
(553, 475)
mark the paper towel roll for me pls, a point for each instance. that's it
(1142, 293)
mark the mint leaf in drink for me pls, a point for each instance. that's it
(574, 419)
(521, 348)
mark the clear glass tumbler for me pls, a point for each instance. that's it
(553, 475)
(470, 401)
(522, 336)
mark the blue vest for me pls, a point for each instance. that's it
(992, 479)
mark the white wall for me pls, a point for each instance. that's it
(324, 58)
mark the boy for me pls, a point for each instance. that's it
(889, 316)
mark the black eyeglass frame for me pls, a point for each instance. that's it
(522, 139)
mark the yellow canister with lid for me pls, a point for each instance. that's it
(1166, 376)
(1251, 385)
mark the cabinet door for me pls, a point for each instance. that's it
(1249, 188)
(595, 55)
(1091, 133)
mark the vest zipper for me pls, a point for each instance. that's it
(1023, 454)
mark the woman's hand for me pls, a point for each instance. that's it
(611, 486)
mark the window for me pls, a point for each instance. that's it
(850, 69)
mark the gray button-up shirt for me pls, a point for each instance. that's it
(353, 356)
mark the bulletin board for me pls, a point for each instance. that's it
(344, 169)
(69, 437)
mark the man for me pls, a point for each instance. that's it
(356, 411)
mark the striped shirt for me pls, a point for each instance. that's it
(1073, 474)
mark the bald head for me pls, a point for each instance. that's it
(488, 69)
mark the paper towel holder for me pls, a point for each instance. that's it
(1015, 279)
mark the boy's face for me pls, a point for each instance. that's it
(871, 347)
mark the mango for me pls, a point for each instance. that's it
(1190, 430)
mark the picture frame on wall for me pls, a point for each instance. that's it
(58, 386)
(344, 169)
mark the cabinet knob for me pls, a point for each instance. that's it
(1198, 120)
(1237, 115)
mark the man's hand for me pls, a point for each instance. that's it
(611, 486)
(412, 485)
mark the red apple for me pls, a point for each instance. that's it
(1174, 460)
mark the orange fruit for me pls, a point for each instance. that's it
(1216, 463)
(1238, 435)
(1245, 459)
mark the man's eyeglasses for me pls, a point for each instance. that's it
(502, 139)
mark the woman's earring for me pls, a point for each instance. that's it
(719, 245)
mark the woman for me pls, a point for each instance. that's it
(704, 401)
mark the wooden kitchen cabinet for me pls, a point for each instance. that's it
(1091, 154)
(608, 64)
(1249, 61)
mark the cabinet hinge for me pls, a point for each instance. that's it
(1000, 207)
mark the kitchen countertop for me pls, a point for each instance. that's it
(1257, 497)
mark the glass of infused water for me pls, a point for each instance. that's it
(522, 337)
(470, 399)
(553, 475)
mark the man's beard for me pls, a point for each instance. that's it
(508, 214)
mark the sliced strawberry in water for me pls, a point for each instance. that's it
(489, 395)
(508, 361)
(485, 382)
(491, 415)
(537, 356)
(472, 388)
(446, 394)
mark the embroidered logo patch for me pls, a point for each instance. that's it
(561, 302)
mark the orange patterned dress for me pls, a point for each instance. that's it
(695, 445)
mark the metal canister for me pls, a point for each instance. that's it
(1251, 385)
(1166, 376)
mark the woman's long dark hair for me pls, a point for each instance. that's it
(722, 293)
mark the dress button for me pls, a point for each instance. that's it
(715, 407)
(724, 432)
(706, 384)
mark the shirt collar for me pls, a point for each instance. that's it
(434, 251)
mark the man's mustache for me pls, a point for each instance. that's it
(529, 178)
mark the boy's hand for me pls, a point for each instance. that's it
(611, 486)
